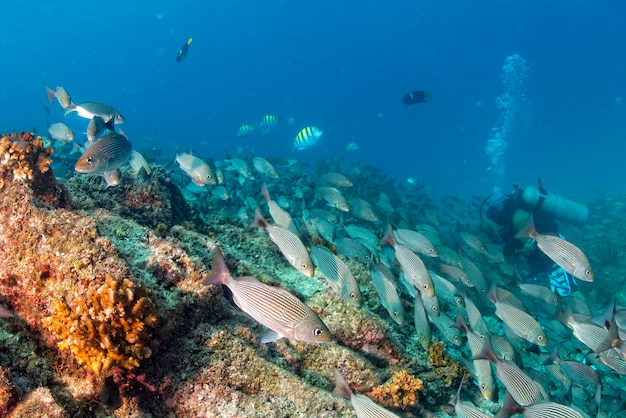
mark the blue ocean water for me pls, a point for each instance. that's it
(343, 67)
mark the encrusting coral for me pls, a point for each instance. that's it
(109, 327)
(401, 391)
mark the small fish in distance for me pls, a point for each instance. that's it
(182, 52)
(417, 96)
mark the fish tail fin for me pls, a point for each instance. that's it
(265, 192)
(529, 230)
(50, 93)
(71, 108)
(259, 221)
(456, 398)
(388, 238)
(341, 390)
(492, 295)
(219, 273)
(486, 352)
(460, 324)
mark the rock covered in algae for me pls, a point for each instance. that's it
(149, 201)
(112, 315)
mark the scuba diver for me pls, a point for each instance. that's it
(512, 213)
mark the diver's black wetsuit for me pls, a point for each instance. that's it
(503, 214)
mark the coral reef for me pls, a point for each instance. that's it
(108, 327)
(25, 160)
(401, 391)
(150, 202)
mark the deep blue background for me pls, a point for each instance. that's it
(337, 66)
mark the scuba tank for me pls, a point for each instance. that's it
(533, 198)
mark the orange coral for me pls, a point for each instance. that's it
(106, 328)
(401, 391)
(449, 372)
(22, 153)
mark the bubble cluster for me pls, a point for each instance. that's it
(510, 105)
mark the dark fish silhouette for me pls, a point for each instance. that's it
(182, 52)
(417, 96)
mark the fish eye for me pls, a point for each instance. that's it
(89, 160)
(456, 338)
(209, 177)
(368, 257)
(434, 309)
(394, 313)
(483, 386)
(304, 265)
(540, 338)
(588, 272)
(318, 332)
(353, 295)
(426, 286)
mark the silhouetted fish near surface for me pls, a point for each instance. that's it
(182, 52)
(283, 313)
(417, 96)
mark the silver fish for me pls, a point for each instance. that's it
(465, 409)
(518, 321)
(473, 242)
(280, 216)
(61, 132)
(337, 179)
(95, 127)
(107, 154)
(140, 166)
(363, 406)
(562, 252)
(445, 326)
(112, 177)
(362, 234)
(482, 367)
(416, 242)
(422, 325)
(280, 311)
(540, 293)
(288, 244)
(413, 267)
(339, 276)
(199, 171)
(546, 409)
(389, 298)
(242, 168)
(62, 96)
(264, 167)
(446, 290)
(361, 209)
(354, 249)
(522, 388)
(220, 192)
(475, 276)
(334, 197)
(89, 109)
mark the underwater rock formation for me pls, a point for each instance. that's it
(111, 313)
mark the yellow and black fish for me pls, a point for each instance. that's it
(182, 52)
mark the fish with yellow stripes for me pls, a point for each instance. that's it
(306, 138)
